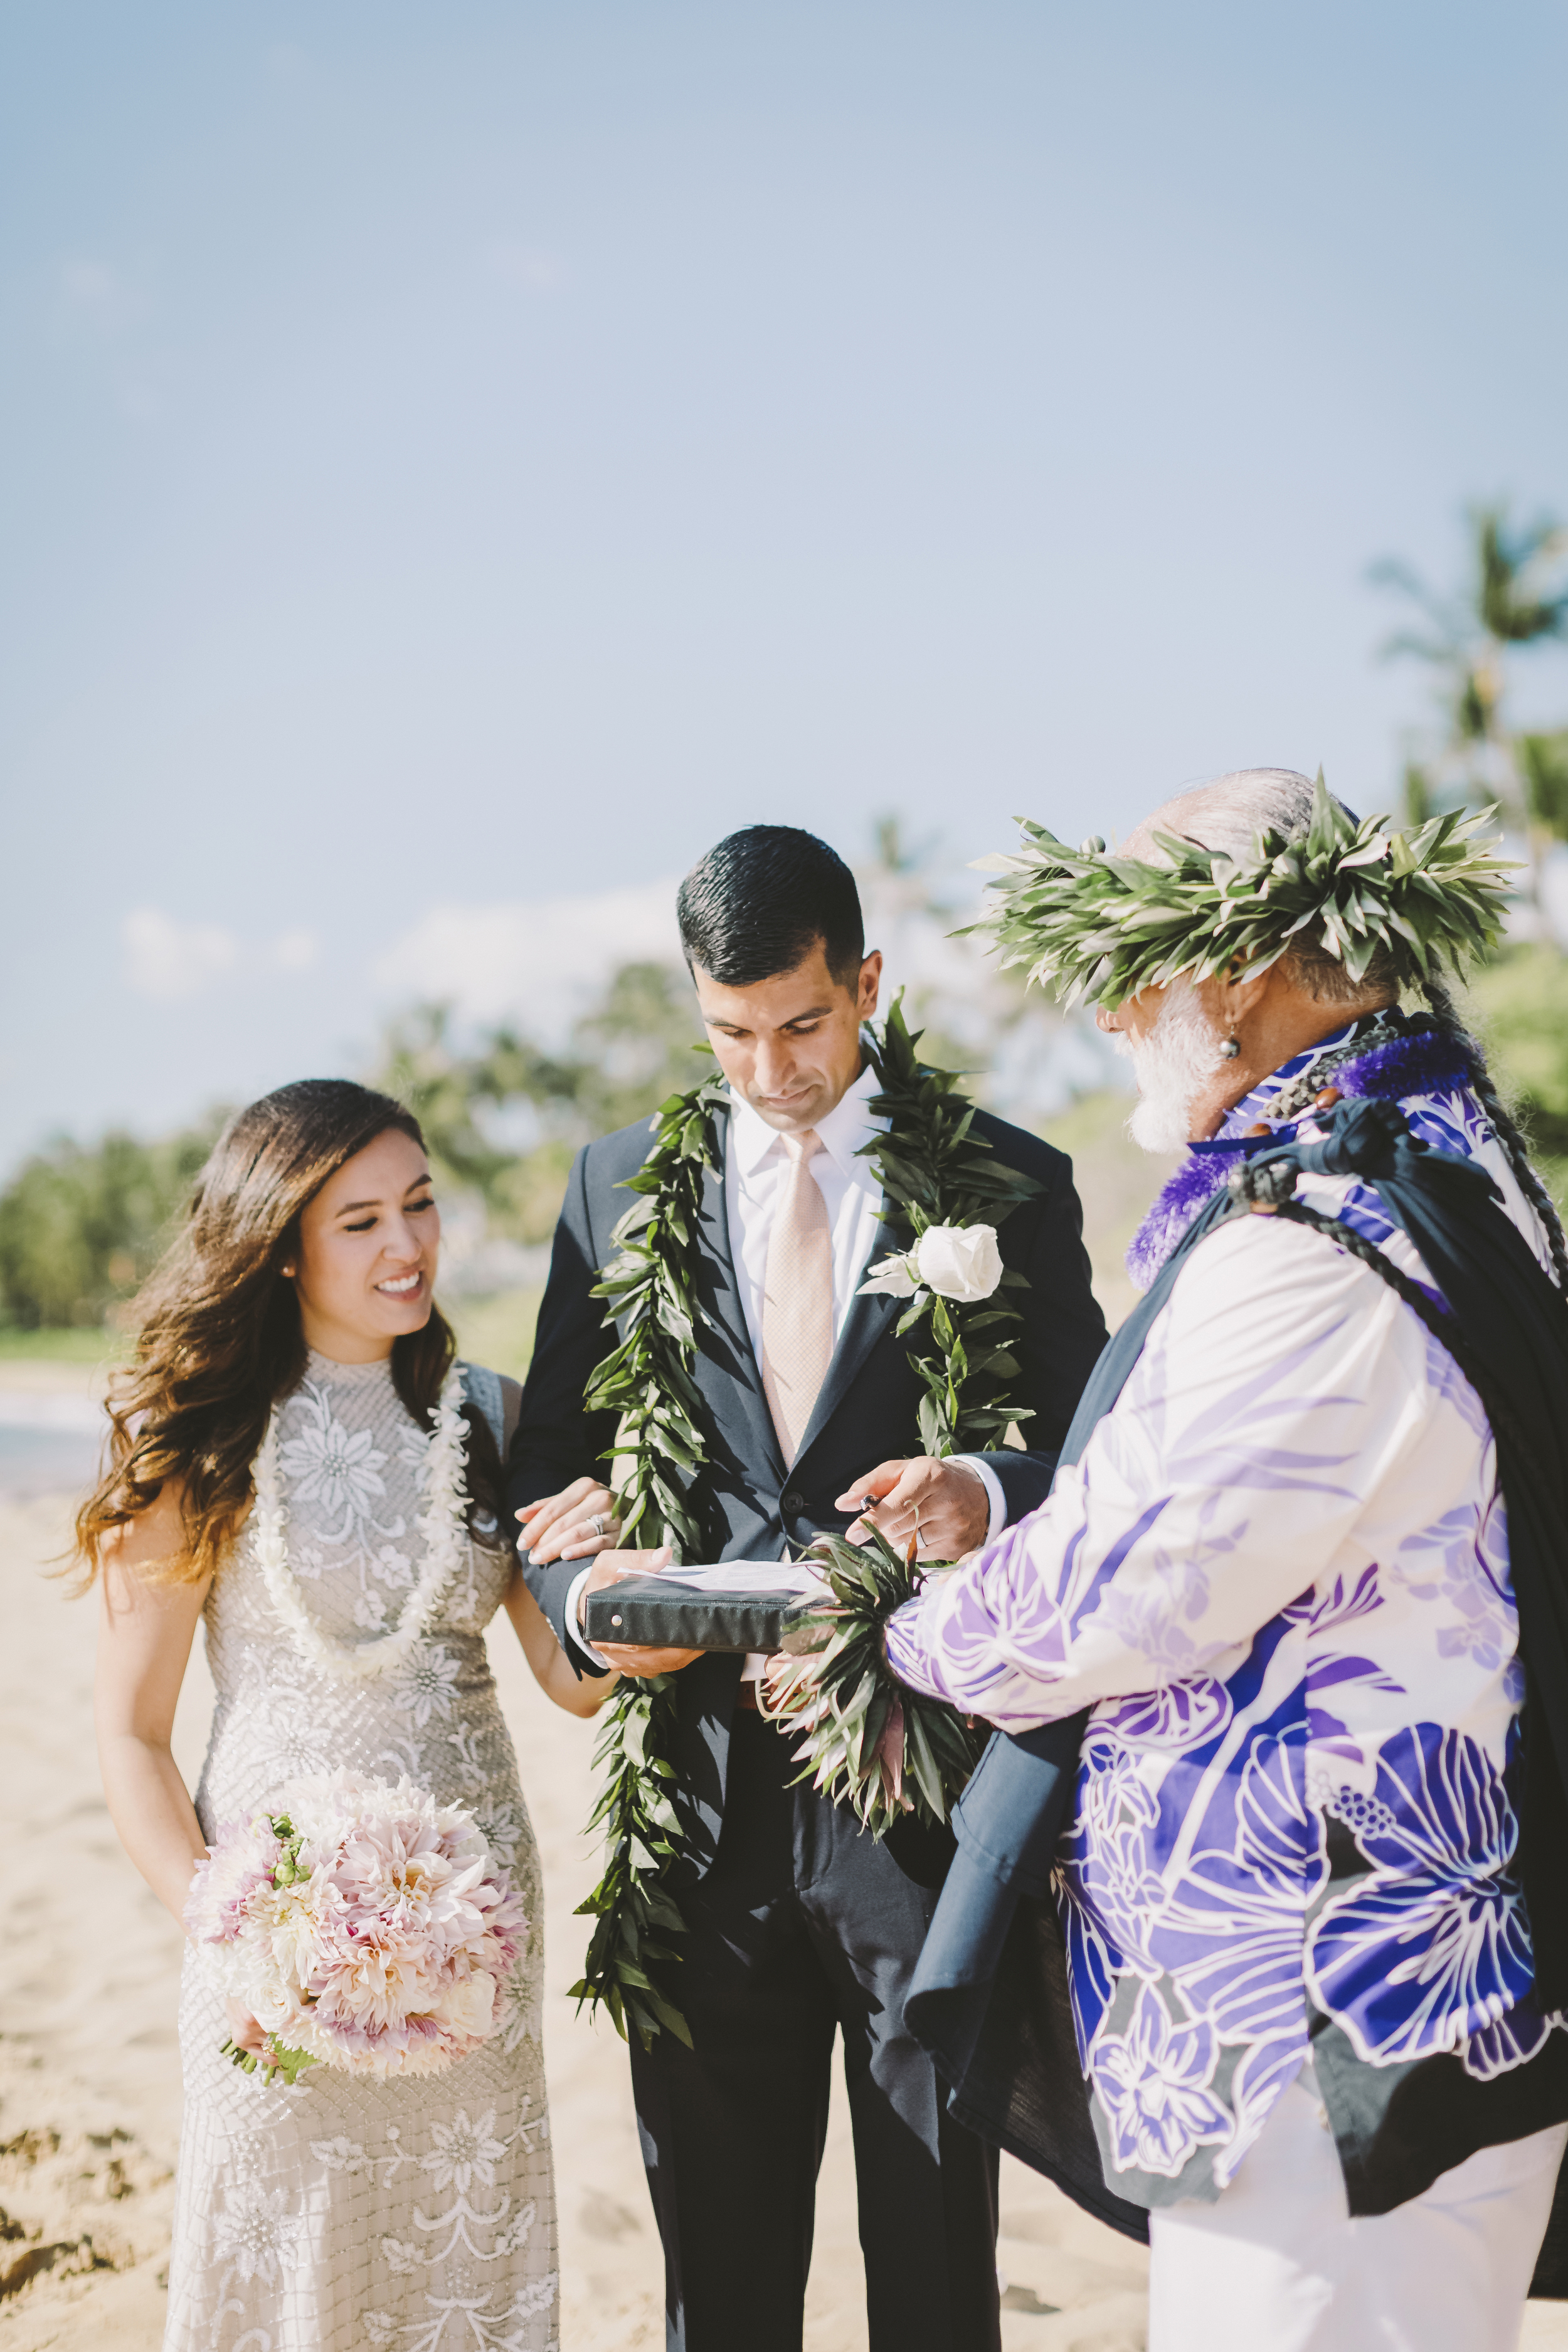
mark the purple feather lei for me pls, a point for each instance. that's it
(1421, 1062)
(1175, 1204)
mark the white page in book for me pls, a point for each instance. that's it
(749, 1576)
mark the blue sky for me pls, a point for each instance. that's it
(459, 463)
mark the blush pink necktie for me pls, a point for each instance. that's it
(797, 1298)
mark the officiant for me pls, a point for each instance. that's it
(1291, 1895)
(806, 1412)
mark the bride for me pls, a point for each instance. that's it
(271, 1462)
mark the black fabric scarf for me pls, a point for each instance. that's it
(989, 1998)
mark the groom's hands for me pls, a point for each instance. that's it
(632, 1659)
(945, 1503)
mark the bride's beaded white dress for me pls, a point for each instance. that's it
(349, 2214)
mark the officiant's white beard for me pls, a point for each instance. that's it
(1172, 1064)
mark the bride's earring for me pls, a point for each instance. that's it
(1230, 1048)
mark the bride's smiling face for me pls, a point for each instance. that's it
(365, 1269)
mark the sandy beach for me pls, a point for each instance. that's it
(90, 2092)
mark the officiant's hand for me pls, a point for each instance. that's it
(945, 1503)
(574, 1525)
(630, 1659)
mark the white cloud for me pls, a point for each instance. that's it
(527, 268)
(93, 294)
(167, 960)
(296, 950)
(537, 960)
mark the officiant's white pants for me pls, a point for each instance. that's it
(1276, 2263)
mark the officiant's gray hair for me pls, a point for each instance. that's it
(1228, 814)
(1229, 811)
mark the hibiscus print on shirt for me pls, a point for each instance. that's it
(1434, 1946)
(1153, 2082)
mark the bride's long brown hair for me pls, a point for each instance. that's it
(218, 1336)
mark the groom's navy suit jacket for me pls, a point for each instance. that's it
(866, 1412)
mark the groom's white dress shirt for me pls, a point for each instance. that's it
(756, 1169)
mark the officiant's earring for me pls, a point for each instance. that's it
(1230, 1048)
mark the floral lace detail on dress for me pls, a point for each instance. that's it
(350, 2213)
(333, 1474)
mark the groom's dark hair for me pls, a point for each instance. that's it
(760, 899)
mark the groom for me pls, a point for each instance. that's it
(799, 1925)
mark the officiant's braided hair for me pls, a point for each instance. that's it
(219, 1340)
(1227, 814)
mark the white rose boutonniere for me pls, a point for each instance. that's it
(889, 1278)
(958, 1262)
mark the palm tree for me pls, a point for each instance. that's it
(1543, 765)
(1507, 603)
(1514, 597)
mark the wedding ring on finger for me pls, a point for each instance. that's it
(597, 1523)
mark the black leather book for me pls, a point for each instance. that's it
(662, 1612)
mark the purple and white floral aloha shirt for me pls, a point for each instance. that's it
(1278, 1574)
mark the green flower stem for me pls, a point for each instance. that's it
(275, 2058)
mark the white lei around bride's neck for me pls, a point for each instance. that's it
(443, 1524)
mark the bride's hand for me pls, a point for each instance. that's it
(574, 1525)
(244, 2031)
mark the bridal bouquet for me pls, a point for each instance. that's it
(364, 1926)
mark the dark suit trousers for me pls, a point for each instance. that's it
(804, 1927)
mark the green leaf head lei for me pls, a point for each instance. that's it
(1102, 927)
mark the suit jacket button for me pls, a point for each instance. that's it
(792, 1501)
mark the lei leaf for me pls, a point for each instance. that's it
(647, 1381)
(1104, 927)
(937, 1171)
(934, 1171)
(868, 1742)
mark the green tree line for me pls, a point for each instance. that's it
(82, 1225)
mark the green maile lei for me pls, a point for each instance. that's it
(934, 1170)
(1106, 927)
